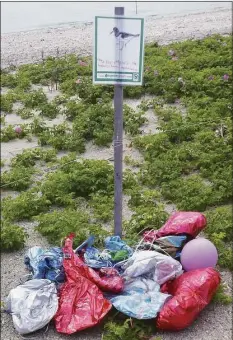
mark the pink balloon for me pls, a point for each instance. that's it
(199, 253)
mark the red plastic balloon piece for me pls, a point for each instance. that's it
(81, 303)
(181, 222)
(192, 292)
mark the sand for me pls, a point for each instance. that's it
(215, 321)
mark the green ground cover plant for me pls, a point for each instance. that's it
(79, 178)
(133, 120)
(26, 205)
(37, 126)
(188, 162)
(15, 81)
(17, 178)
(90, 122)
(29, 157)
(20, 175)
(102, 207)
(57, 69)
(74, 183)
(25, 113)
(61, 137)
(3, 120)
(219, 231)
(13, 237)
(49, 110)
(74, 179)
(145, 218)
(8, 132)
(34, 99)
(221, 297)
(58, 224)
(7, 101)
(129, 161)
(8, 80)
(128, 329)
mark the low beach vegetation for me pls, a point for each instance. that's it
(186, 163)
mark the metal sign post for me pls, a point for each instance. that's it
(118, 60)
(118, 145)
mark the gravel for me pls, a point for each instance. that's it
(215, 322)
(25, 47)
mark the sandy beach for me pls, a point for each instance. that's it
(26, 47)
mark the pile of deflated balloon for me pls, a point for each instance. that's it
(168, 276)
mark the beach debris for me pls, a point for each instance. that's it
(152, 265)
(81, 304)
(169, 245)
(106, 279)
(180, 223)
(45, 264)
(116, 244)
(199, 253)
(32, 305)
(116, 250)
(192, 292)
(141, 299)
(97, 259)
(87, 243)
(146, 281)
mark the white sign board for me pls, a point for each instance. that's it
(118, 50)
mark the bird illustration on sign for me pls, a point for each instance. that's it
(123, 38)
